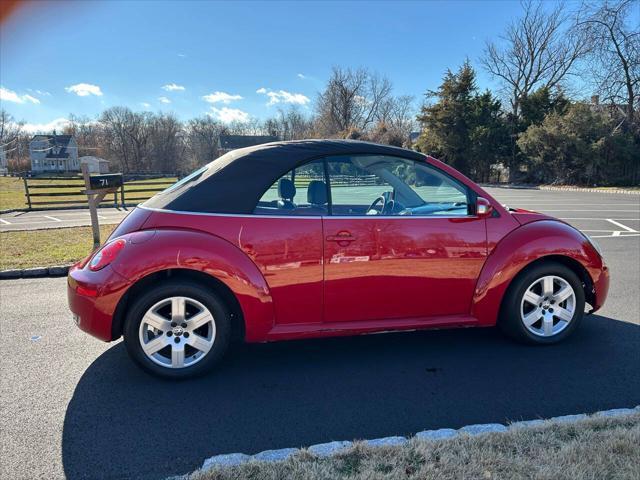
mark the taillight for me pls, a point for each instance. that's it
(106, 255)
(86, 291)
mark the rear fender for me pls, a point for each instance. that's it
(191, 250)
(521, 247)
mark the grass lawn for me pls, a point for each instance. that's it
(12, 193)
(56, 246)
(590, 449)
(618, 188)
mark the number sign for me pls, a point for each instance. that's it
(99, 182)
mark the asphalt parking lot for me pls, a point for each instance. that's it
(77, 408)
(58, 218)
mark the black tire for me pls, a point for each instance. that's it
(173, 288)
(510, 320)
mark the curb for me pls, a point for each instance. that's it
(36, 272)
(559, 188)
(332, 448)
(591, 190)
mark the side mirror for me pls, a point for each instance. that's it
(483, 207)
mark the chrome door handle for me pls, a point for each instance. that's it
(341, 237)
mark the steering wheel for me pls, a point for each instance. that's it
(382, 199)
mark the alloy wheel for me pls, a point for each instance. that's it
(548, 306)
(177, 332)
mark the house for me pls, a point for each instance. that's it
(54, 153)
(95, 164)
(616, 110)
(226, 143)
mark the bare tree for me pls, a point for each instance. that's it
(202, 140)
(351, 100)
(253, 126)
(14, 143)
(538, 50)
(166, 144)
(88, 135)
(613, 30)
(9, 132)
(398, 114)
(289, 124)
(126, 136)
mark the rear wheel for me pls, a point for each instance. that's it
(543, 305)
(177, 330)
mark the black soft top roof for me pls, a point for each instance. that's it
(235, 182)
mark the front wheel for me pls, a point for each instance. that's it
(543, 305)
(177, 330)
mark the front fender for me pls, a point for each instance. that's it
(166, 249)
(518, 249)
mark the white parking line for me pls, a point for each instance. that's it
(543, 202)
(4, 221)
(616, 234)
(628, 229)
(590, 210)
(52, 218)
(591, 218)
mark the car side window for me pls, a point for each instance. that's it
(385, 185)
(301, 191)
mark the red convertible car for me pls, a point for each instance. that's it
(319, 238)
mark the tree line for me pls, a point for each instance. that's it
(532, 130)
(539, 126)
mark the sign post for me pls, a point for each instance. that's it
(97, 187)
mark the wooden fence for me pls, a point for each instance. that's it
(70, 191)
(302, 180)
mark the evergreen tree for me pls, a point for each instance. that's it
(463, 127)
(581, 146)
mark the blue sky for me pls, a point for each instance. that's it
(231, 60)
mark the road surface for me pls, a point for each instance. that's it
(73, 406)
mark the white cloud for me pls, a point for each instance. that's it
(172, 87)
(221, 97)
(84, 90)
(145, 104)
(227, 115)
(302, 76)
(31, 99)
(164, 100)
(282, 96)
(181, 55)
(7, 95)
(58, 124)
(361, 100)
(42, 93)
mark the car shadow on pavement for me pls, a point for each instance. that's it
(122, 422)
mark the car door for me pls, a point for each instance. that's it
(285, 240)
(400, 241)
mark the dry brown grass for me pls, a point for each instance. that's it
(45, 248)
(596, 448)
